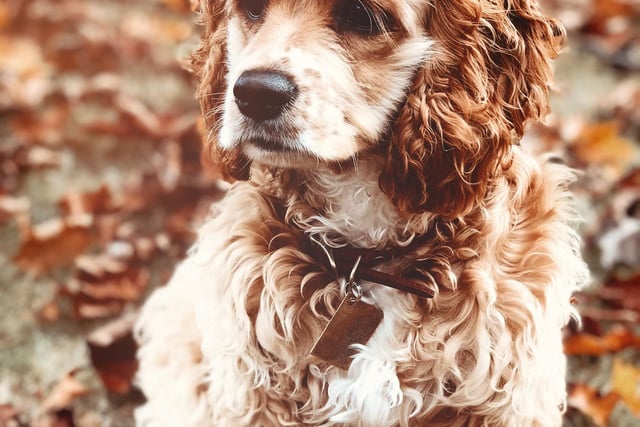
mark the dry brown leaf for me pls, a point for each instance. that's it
(9, 416)
(44, 125)
(104, 284)
(59, 418)
(141, 192)
(24, 80)
(54, 243)
(92, 202)
(617, 315)
(631, 180)
(140, 115)
(590, 402)
(65, 393)
(608, 16)
(113, 353)
(625, 381)
(12, 207)
(616, 339)
(623, 293)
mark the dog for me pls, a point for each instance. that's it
(388, 254)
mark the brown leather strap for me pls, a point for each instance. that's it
(346, 257)
(395, 282)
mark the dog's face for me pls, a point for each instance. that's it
(313, 80)
(437, 89)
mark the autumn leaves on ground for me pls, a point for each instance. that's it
(102, 185)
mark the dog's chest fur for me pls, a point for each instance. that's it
(266, 300)
(269, 300)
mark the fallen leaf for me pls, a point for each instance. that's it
(180, 5)
(141, 192)
(65, 393)
(91, 203)
(54, 243)
(9, 416)
(113, 353)
(55, 418)
(594, 315)
(25, 75)
(631, 180)
(590, 402)
(104, 284)
(618, 338)
(602, 144)
(608, 16)
(625, 381)
(12, 207)
(140, 115)
(622, 293)
(45, 125)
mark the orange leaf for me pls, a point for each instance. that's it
(181, 5)
(5, 19)
(25, 75)
(625, 380)
(590, 402)
(53, 244)
(588, 344)
(601, 143)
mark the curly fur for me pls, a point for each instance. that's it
(392, 136)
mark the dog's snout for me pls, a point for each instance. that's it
(264, 94)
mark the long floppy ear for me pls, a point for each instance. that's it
(209, 65)
(470, 102)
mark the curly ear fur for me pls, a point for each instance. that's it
(208, 64)
(469, 103)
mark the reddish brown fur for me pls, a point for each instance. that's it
(209, 61)
(469, 105)
(466, 107)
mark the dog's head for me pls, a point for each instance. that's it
(439, 89)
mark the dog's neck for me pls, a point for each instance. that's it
(347, 207)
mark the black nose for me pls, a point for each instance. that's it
(263, 94)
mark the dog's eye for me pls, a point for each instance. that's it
(254, 9)
(355, 16)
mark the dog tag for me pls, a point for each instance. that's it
(353, 323)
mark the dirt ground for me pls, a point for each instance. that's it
(100, 166)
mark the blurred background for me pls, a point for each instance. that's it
(102, 183)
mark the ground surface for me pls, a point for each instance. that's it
(101, 186)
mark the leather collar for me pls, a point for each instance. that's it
(358, 264)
